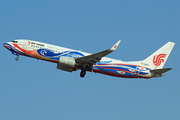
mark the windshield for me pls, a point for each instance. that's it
(14, 41)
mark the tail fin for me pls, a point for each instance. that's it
(158, 58)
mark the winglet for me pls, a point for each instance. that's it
(113, 48)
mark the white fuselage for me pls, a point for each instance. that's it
(52, 53)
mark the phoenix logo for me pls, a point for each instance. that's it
(115, 46)
(158, 59)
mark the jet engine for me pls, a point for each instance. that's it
(66, 64)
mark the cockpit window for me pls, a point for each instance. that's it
(15, 41)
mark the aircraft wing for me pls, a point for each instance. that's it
(93, 58)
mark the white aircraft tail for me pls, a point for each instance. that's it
(158, 58)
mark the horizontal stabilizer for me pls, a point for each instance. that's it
(160, 71)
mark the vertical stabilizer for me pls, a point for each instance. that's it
(158, 58)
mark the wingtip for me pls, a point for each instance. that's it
(115, 46)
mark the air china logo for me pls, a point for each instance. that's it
(158, 59)
(115, 46)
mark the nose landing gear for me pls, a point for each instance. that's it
(83, 73)
(17, 58)
(14, 53)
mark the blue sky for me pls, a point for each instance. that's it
(31, 89)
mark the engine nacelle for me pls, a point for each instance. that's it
(66, 64)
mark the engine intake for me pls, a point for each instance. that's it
(66, 64)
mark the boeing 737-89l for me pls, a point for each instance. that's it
(70, 60)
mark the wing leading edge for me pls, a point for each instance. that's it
(94, 58)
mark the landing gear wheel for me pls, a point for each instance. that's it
(83, 73)
(17, 58)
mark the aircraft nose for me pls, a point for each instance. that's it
(6, 45)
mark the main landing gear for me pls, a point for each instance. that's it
(83, 73)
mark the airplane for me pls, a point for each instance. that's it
(71, 60)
